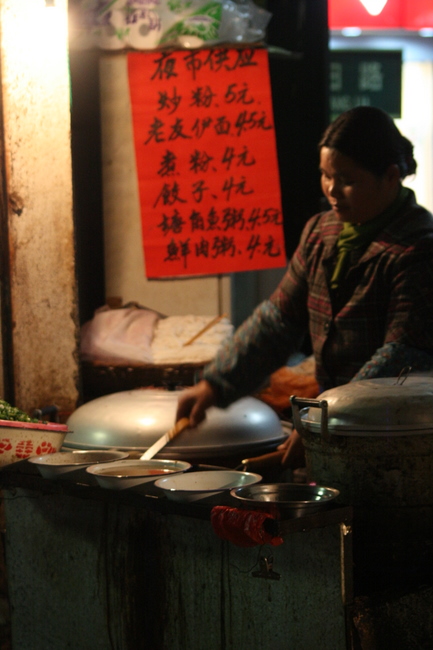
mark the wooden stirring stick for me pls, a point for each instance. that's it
(180, 425)
(207, 327)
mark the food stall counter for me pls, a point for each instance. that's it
(95, 568)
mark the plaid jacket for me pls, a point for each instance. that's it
(385, 302)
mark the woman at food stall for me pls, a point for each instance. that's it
(360, 281)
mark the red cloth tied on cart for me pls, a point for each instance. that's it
(245, 527)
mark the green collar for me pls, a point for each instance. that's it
(354, 236)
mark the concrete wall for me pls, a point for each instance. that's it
(36, 111)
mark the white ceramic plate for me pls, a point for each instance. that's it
(64, 462)
(130, 473)
(199, 485)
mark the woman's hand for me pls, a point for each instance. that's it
(294, 452)
(194, 402)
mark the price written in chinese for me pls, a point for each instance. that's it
(206, 161)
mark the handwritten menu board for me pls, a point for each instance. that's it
(206, 161)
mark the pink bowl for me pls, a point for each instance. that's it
(19, 440)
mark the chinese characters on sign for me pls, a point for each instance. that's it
(206, 161)
(365, 78)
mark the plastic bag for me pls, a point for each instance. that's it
(153, 24)
(119, 336)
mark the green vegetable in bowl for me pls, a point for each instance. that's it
(8, 412)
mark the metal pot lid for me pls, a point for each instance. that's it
(388, 404)
(134, 420)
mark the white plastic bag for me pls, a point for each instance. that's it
(119, 336)
(154, 24)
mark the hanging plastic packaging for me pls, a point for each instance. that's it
(153, 24)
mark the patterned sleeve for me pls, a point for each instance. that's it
(259, 347)
(410, 306)
(392, 358)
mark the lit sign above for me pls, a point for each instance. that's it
(380, 14)
(374, 7)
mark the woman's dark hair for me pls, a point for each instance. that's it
(369, 136)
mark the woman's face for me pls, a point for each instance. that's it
(355, 194)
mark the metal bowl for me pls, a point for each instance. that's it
(132, 473)
(294, 499)
(199, 485)
(19, 440)
(66, 464)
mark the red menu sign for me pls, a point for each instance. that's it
(206, 161)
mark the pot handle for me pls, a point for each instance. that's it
(302, 402)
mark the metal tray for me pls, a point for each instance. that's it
(292, 498)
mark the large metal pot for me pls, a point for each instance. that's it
(134, 420)
(373, 441)
(402, 406)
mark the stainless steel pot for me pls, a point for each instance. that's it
(374, 407)
(373, 441)
(134, 420)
